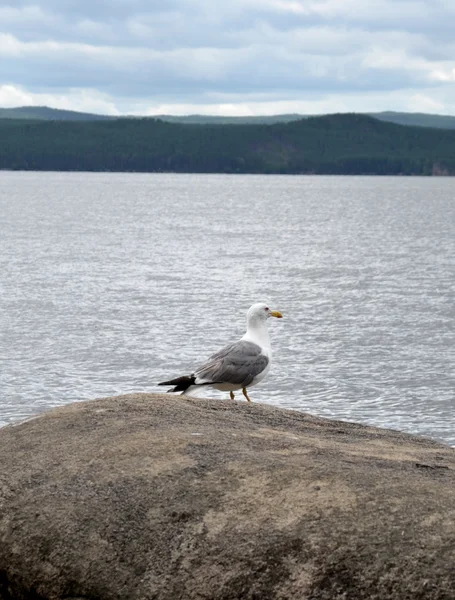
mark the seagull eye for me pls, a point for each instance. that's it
(267, 309)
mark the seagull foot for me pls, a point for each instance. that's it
(231, 394)
(245, 393)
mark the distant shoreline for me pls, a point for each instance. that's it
(413, 175)
(343, 144)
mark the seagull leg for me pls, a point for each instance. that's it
(231, 394)
(245, 393)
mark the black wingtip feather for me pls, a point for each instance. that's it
(181, 383)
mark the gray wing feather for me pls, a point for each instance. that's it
(238, 363)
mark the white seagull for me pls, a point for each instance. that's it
(239, 365)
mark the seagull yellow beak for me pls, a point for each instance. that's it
(277, 314)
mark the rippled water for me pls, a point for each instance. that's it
(112, 282)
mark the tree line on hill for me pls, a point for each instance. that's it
(334, 144)
(56, 114)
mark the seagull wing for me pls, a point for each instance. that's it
(238, 363)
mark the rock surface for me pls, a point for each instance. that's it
(149, 496)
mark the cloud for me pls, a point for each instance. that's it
(79, 99)
(244, 53)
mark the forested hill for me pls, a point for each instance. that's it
(343, 144)
(400, 118)
(49, 114)
(55, 114)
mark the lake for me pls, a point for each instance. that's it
(113, 282)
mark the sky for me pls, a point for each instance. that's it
(228, 57)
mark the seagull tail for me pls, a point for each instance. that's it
(181, 383)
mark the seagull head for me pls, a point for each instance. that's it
(261, 312)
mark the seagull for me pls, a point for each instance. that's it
(237, 366)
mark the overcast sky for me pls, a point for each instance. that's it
(230, 57)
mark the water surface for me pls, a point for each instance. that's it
(112, 282)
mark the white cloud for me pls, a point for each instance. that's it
(235, 56)
(24, 15)
(423, 103)
(412, 101)
(377, 12)
(444, 74)
(80, 100)
(291, 6)
(11, 96)
(434, 100)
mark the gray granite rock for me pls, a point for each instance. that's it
(150, 496)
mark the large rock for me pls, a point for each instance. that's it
(160, 497)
